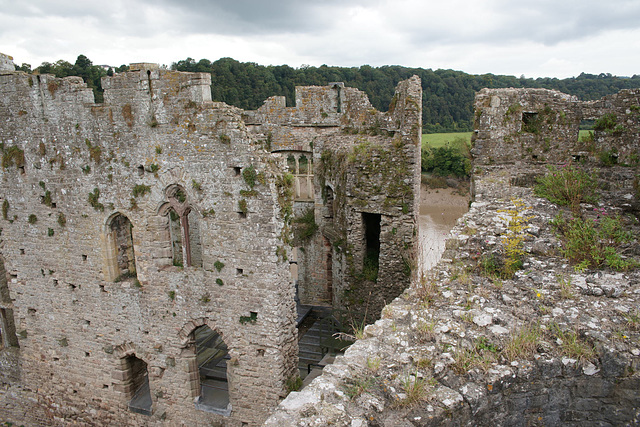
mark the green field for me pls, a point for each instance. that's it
(439, 139)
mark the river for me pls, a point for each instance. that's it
(439, 211)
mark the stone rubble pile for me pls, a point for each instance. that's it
(443, 352)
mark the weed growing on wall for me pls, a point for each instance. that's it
(140, 190)
(514, 240)
(567, 185)
(306, 226)
(12, 156)
(93, 200)
(593, 243)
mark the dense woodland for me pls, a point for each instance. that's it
(447, 98)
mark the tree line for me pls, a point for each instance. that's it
(447, 103)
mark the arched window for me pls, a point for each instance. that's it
(136, 384)
(120, 256)
(184, 228)
(211, 356)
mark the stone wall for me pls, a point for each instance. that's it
(539, 126)
(131, 226)
(551, 345)
(71, 167)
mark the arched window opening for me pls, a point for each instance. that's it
(175, 231)
(120, 260)
(136, 385)
(211, 360)
(303, 164)
(184, 228)
(291, 164)
(120, 229)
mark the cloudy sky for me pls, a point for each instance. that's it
(551, 38)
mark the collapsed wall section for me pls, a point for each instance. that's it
(129, 228)
(551, 343)
(357, 228)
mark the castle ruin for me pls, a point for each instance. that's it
(147, 240)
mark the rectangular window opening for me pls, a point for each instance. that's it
(370, 265)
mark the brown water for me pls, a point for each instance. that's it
(439, 211)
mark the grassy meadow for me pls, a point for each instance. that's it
(434, 140)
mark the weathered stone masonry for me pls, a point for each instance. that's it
(442, 354)
(137, 230)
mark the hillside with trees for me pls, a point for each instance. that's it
(447, 94)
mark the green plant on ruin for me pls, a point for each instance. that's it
(95, 152)
(158, 149)
(242, 206)
(426, 331)
(93, 200)
(219, 282)
(225, 139)
(513, 242)
(86, 169)
(370, 265)
(632, 320)
(524, 343)
(12, 156)
(250, 176)
(606, 123)
(427, 290)
(208, 213)
(252, 318)
(373, 364)
(218, 265)
(196, 185)
(293, 383)
(415, 390)
(566, 290)
(608, 157)
(596, 242)
(50, 232)
(32, 219)
(5, 209)
(62, 220)
(306, 226)
(284, 187)
(567, 185)
(171, 295)
(205, 298)
(354, 387)
(46, 199)
(153, 122)
(572, 345)
(481, 356)
(153, 168)
(140, 190)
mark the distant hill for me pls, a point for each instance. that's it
(447, 102)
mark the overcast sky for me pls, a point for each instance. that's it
(537, 38)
